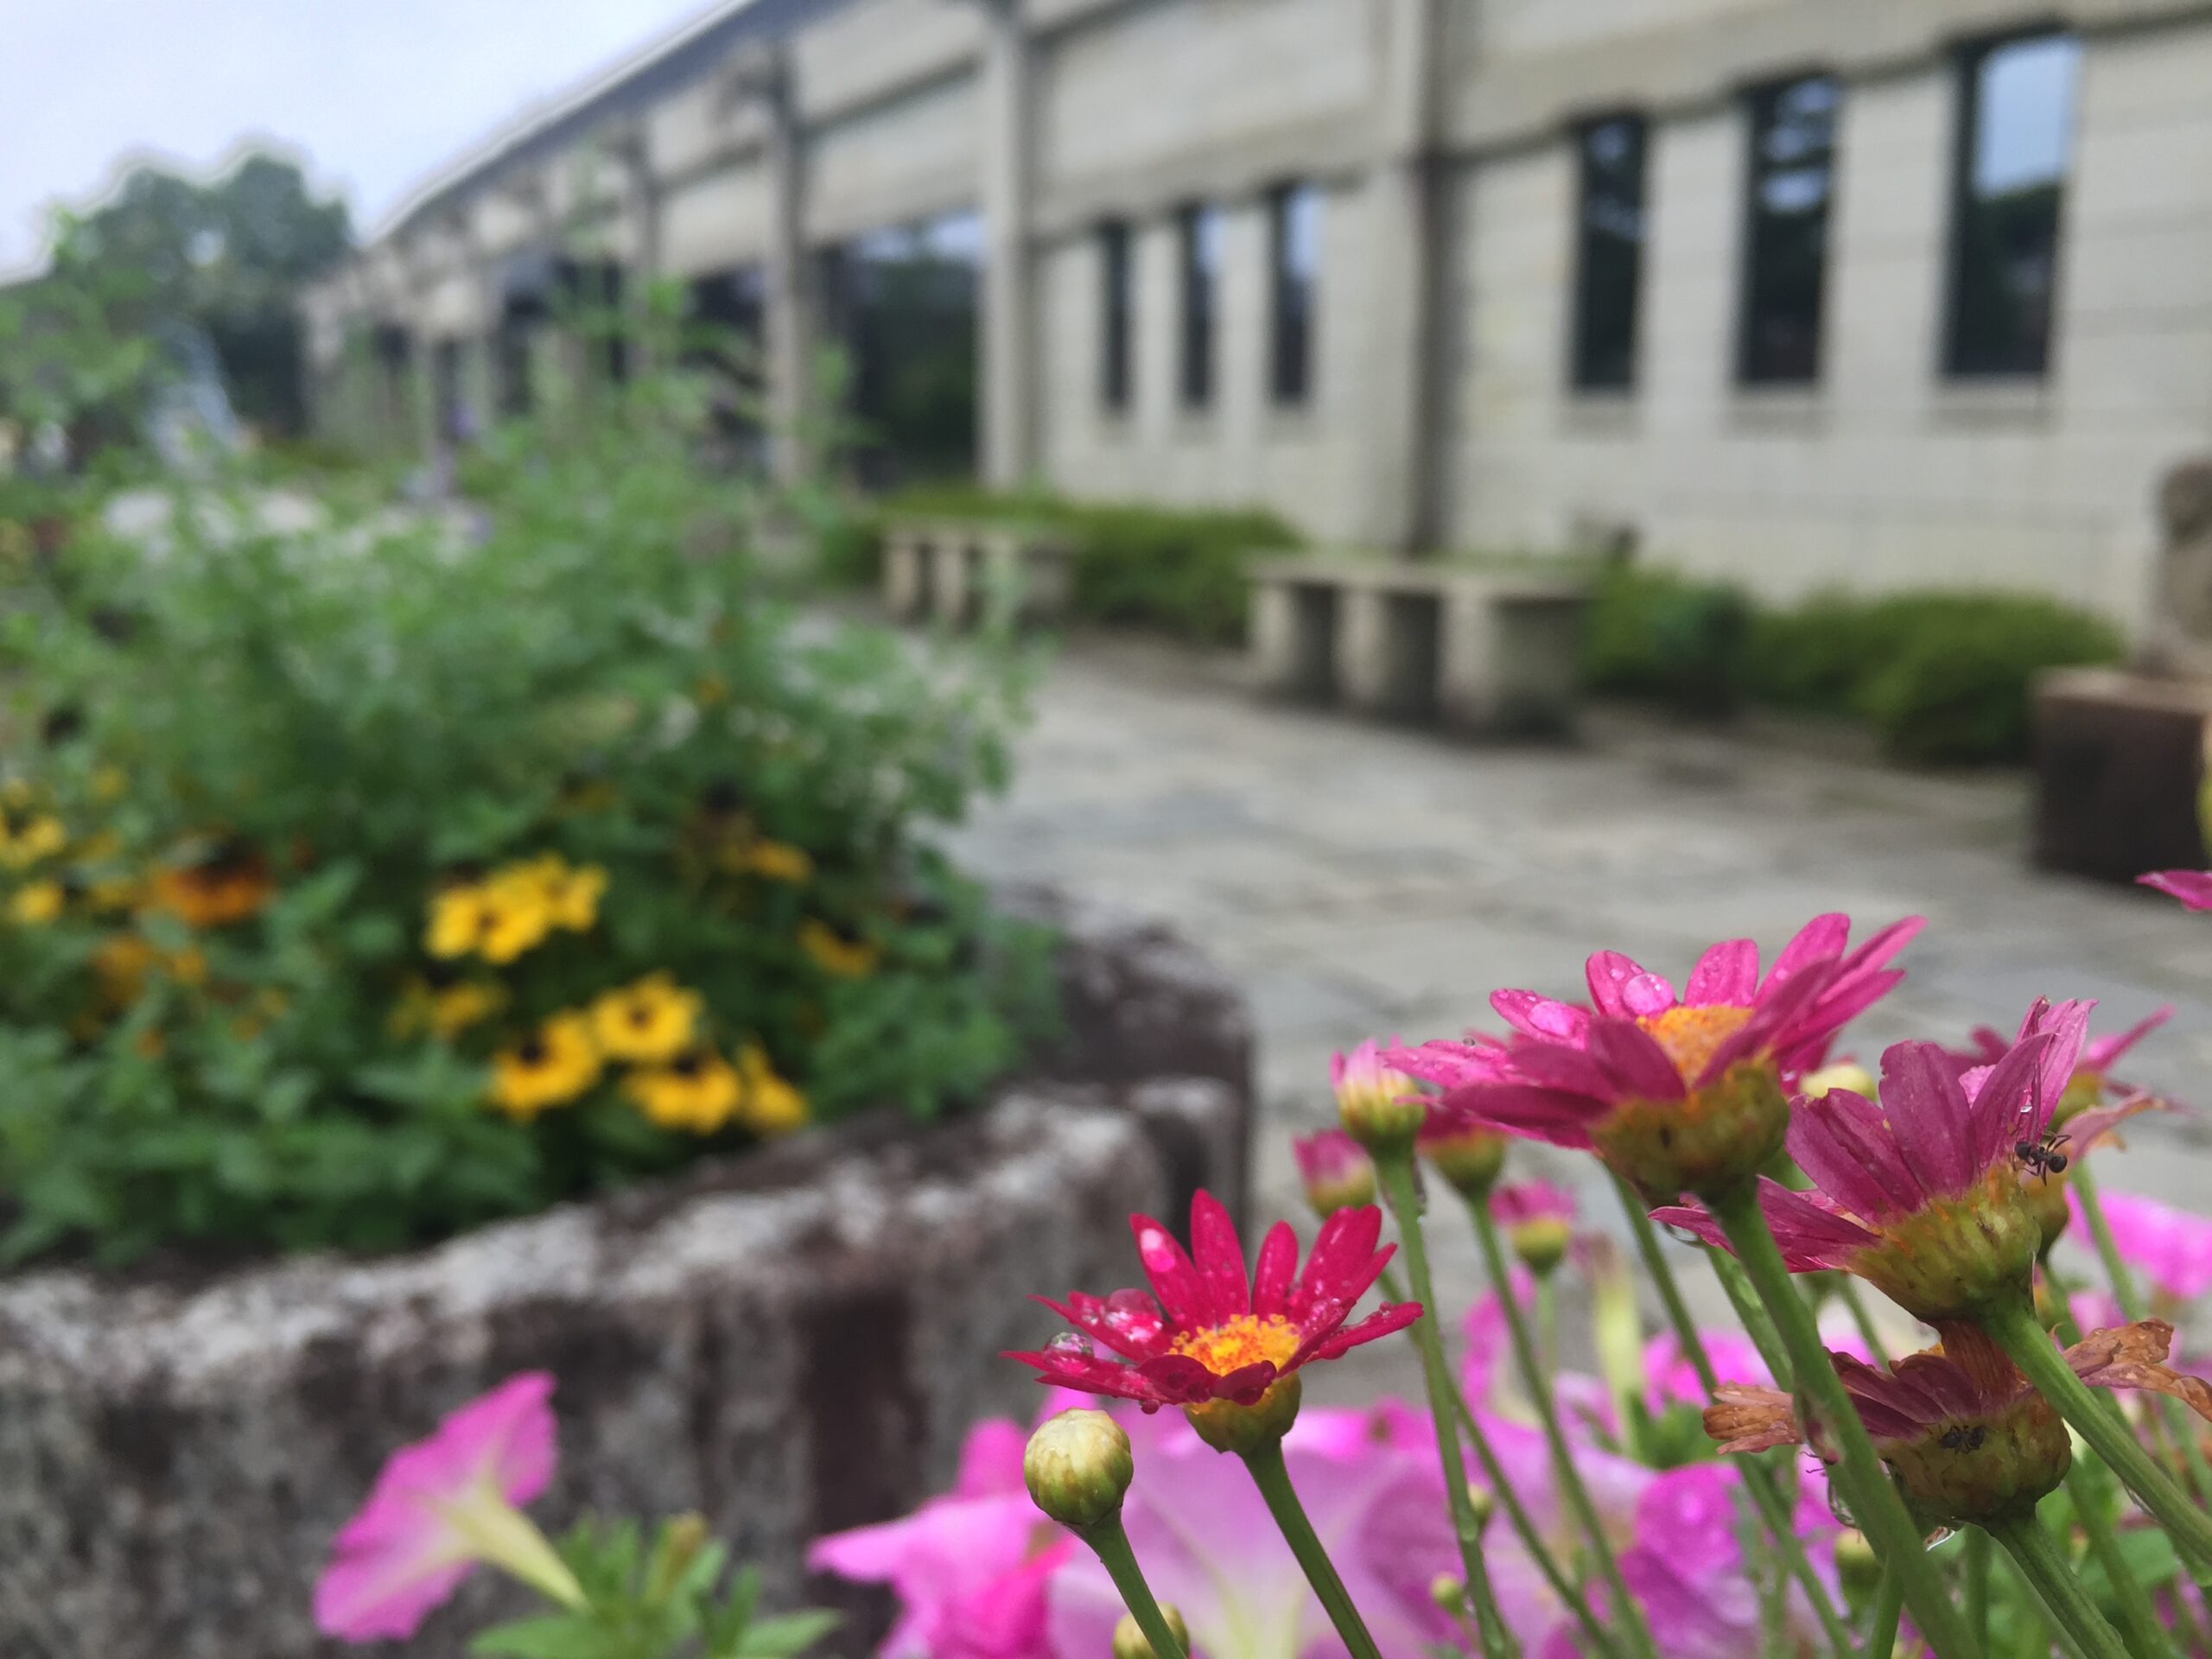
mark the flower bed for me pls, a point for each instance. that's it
(788, 1342)
(365, 882)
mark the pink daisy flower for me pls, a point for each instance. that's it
(2171, 1248)
(1679, 1092)
(441, 1506)
(1211, 1334)
(2192, 888)
(1923, 1195)
(1968, 1437)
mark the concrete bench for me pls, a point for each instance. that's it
(963, 573)
(1478, 651)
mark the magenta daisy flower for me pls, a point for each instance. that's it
(1679, 1092)
(2192, 888)
(1335, 1171)
(1207, 1333)
(1922, 1194)
(1968, 1437)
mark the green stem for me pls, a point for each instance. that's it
(2045, 1567)
(2031, 1637)
(1889, 1603)
(1880, 1514)
(1273, 1479)
(1775, 1511)
(2139, 1619)
(1517, 1513)
(1752, 1314)
(1111, 1544)
(1569, 1478)
(1546, 1325)
(1394, 1174)
(1975, 1571)
(2130, 1297)
(2016, 1330)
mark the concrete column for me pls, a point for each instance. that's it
(763, 78)
(641, 194)
(1007, 370)
(1402, 394)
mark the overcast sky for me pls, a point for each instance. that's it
(375, 95)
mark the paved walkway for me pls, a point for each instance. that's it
(1364, 880)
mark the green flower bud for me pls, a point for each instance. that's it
(1129, 1642)
(1468, 1161)
(1227, 1427)
(1079, 1467)
(1483, 1502)
(1379, 1108)
(1541, 1244)
(1449, 1592)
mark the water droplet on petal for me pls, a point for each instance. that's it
(1071, 1344)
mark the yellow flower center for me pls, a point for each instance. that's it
(1244, 1340)
(1691, 1037)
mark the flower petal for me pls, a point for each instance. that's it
(1276, 1269)
(1125, 1321)
(1391, 1316)
(2131, 1357)
(1541, 1017)
(1091, 1374)
(1183, 1295)
(1930, 1116)
(1552, 1115)
(1220, 1258)
(1607, 973)
(1633, 1059)
(1841, 1142)
(1728, 973)
(2192, 888)
(1744, 1418)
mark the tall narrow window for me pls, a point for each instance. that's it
(1201, 236)
(2016, 134)
(1294, 258)
(1786, 242)
(1609, 253)
(1117, 311)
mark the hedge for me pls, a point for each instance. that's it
(1942, 676)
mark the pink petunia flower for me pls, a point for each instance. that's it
(971, 1569)
(1676, 1091)
(1922, 1194)
(1212, 1334)
(2192, 888)
(1335, 1170)
(439, 1507)
(2171, 1248)
(1968, 1438)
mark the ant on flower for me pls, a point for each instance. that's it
(2043, 1156)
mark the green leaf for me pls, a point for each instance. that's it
(783, 1636)
(551, 1636)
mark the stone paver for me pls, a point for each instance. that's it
(1365, 880)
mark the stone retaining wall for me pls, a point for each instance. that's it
(789, 1342)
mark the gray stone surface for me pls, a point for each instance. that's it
(788, 1342)
(1361, 881)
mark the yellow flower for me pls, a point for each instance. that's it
(24, 846)
(772, 1104)
(697, 1091)
(847, 956)
(572, 896)
(648, 1022)
(37, 904)
(514, 919)
(122, 964)
(457, 917)
(228, 884)
(551, 1067)
(775, 860)
(445, 1011)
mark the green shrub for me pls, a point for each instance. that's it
(325, 855)
(1182, 572)
(1659, 635)
(1953, 687)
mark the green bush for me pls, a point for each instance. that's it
(1182, 572)
(1953, 687)
(1658, 635)
(363, 883)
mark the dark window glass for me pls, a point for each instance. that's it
(1609, 254)
(1294, 258)
(1792, 178)
(724, 318)
(1115, 312)
(903, 303)
(2015, 136)
(1200, 231)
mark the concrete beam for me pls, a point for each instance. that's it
(1007, 338)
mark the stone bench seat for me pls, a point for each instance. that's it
(1480, 651)
(963, 573)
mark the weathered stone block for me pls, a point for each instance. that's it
(788, 1342)
(2119, 766)
(1294, 639)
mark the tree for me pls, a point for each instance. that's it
(227, 257)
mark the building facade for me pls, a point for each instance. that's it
(1798, 292)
